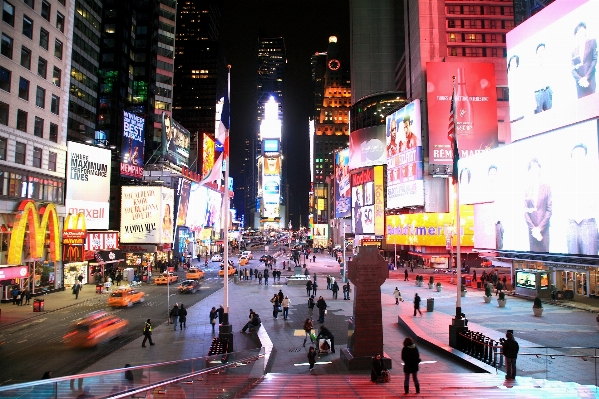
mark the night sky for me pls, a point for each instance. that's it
(306, 26)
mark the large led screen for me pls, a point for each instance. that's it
(204, 208)
(272, 166)
(147, 215)
(367, 147)
(184, 189)
(552, 61)
(342, 184)
(132, 146)
(537, 194)
(208, 155)
(405, 185)
(368, 215)
(175, 141)
(476, 108)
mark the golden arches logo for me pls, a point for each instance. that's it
(29, 216)
(75, 222)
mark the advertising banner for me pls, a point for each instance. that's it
(363, 211)
(175, 141)
(379, 201)
(476, 108)
(552, 61)
(342, 184)
(88, 183)
(538, 193)
(184, 188)
(208, 155)
(367, 147)
(132, 146)
(320, 233)
(146, 215)
(405, 185)
(205, 210)
(10, 273)
(272, 166)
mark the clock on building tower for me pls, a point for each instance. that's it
(334, 64)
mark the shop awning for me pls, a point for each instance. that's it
(103, 257)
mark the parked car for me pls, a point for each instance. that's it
(94, 329)
(166, 278)
(193, 273)
(125, 297)
(216, 258)
(231, 271)
(189, 286)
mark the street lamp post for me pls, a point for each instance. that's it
(344, 263)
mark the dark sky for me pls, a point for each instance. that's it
(306, 26)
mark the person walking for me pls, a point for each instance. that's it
(335, 289)
(510, 350)
(314, 276)
(147, 333)
(285, 303)
(275, 306)
(417, 304)
(76, 289)
(322, 307)
(280, 295)
(313, 258)
(314, 288)
(213, 317)
(312, 358)
(411, 359)
(265, 276)
(397, 295)
(182, 317)
(328, 282)
(221, 314)
(260, 278)
(308, 326)
(309, 287)
(174, 315)
(27, 295)
(311, 304)
(80, 279)
(347, 289)
(405, 273)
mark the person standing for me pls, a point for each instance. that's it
(182, 317)
(260, 278)
(80, 279)
(147, 333)
(312, 358)
(76, 289)
(322, 307)
(308, 326)
(346, 291)
(285, 303)
(309, 287)
(411, 359)
(174, 314)
(311, 306)
(335, 289)
(405, 273)
(313, 258)
(417, 304)
(266, 276)
(328, 282)
(510, 350)
(27, 295)
(397, 295)
(213, 317)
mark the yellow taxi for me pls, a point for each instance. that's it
(166, 278)
(231, 271)
(193, 273)
(125, 297)
(243, 261)
(94, 329)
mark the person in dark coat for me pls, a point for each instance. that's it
(326, 334)
(221, 314)
(377, 367)
(309, 287)
(147, 333)
(322, 306)
(281, 296)
(275, 306)
(335, 289)
(510, 350)
(182, 317)
(213, 317)
(174, 314)
(417, 304)
(411, 359)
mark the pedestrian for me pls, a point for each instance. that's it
(417, 304)
(347, 290)
(312, 358)
(247, 274)
(309, 287)
(260, 278)
(510, 350)
(253, 323)
(118, 278)
(221, 314)
(278, 276)
(328, 282)
(308, 326)
(213, 317)
(314, 288)
(326, 334)
(313, 258)
(397, 295)
(80, 279)
(76, 289)
(474, 276)
(174, 315)
(322, 307)
(147, 333)
(182, 317)
(405, 273)
(335, 289)
(378, 366)
(411, 359)
(499, 287)
(275, 306)
(311, 304)
(314, 277)
(265, 276)
(251, 274)
(285, 303)
(27, 295)
(281, 296)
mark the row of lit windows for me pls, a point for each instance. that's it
(480, 10)
(22, 123)
(480, 24)
(477, 52)
(28, 186)
(476, 37)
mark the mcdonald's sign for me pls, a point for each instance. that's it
(73, 253)
(29, 217)
(74, 230)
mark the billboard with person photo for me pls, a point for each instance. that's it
(175, 141)
(342, 184)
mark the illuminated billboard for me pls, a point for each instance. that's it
(342, 184)
(270, 127)
(551, 68)
(88, 183)
(476, 108)
(132, 146)
(537, 194)
(205, 208)
(272, 166)
(405, 185)
(271, 146)
(207, 155)
(320, 234)
(260, 175)
(367, 147)
(175, 141)
(147, 215)
(183, 193)
(368, 214)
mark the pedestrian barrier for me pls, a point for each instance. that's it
(480, 347)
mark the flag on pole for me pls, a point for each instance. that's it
(451, 135)
(222, 137)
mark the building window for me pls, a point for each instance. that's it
(24, 89)
(25, 57)
(452, 37)
(59, 21)
(52, 156)
(22, 120)
(44, 38)
(53, 132)
(30, 3)
(42, 67)
(58, 49)
(451, 23)
(503, 93)
(4, 113)
(3, 145)
(27, 27)
(6, 46)
(20, 153)
(5, 76)
(473, 52)
(45, 10)
(54, 107)
(40, 97)
(56, 76)
(38, 127)
(37, 157)
(8, 13)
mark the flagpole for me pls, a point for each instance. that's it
(458, 222)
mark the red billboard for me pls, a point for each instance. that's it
(476, 108)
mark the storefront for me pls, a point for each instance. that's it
(72, 272)
(105, 263)
(141, 258)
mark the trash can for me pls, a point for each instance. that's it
(430, 304)
(38, 305)
(99, 289)
(236, 278)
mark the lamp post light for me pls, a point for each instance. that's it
(344, 263)
(449, 234)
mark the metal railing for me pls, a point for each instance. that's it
(221, 376)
